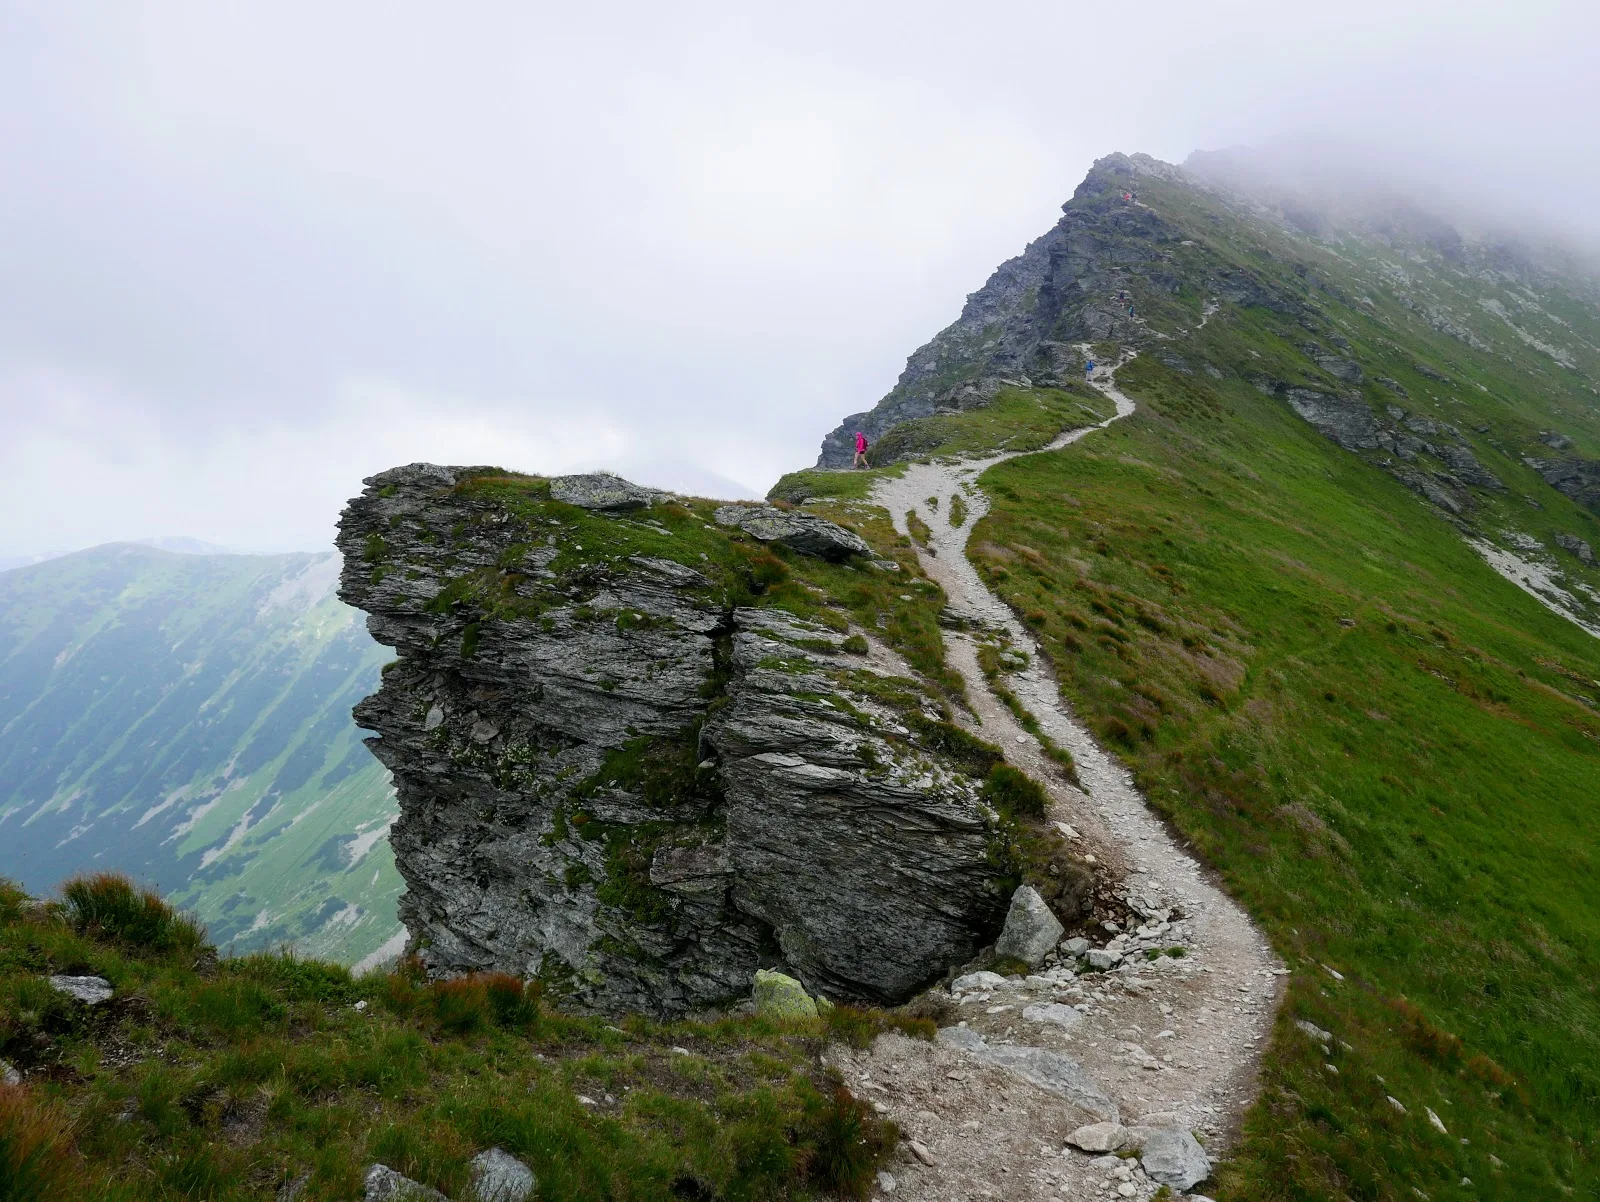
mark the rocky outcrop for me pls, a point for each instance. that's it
(1573, 476)
(622, 771)
(1348, 420)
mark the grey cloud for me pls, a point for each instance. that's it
(690, 236)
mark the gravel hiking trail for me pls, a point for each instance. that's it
(1171, 1034)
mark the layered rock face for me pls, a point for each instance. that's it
(620, 772)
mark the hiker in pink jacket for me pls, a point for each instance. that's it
(861, 451)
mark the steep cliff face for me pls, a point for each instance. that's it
(624, 768)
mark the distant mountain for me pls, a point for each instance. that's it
(181, 544)
(186, 718)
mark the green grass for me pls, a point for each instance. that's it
(1375, 739)
(226, 1079)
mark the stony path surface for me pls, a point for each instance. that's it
(1173, 1040)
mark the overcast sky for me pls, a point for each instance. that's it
(250, 253)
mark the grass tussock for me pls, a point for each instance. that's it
(107, 906)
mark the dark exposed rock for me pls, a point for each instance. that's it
(1341, 368)
(1433, 373)
(1580, 548)
(1348, 421)
(1465, 465)
(803, 532)
(1572, 476)
(1393, 386)
(1556, 442)
(615, 776)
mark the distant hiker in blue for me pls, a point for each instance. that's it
(1088, 369)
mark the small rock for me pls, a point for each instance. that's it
(9, 1074)
(1127, 1189)
(498, 1176)
(291, 1190)
(1075, 946)
(1395, 1102)
(920, 1151)
(1102, 959)
(91, 991)
(1435, 1121)
(780, 996)
(1099, 1137)
(603, 491)
(1173, 1157)
(386, 1185)
(887, 1183)
(1314, 1031)
(361, 1006)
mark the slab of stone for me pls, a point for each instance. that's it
(1064, 1017)
(603, 491)
(498, 1176)
(974, 982)
(91, 991)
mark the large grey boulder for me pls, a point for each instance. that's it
(498, 1176)
(803, 532)
(603, 491)
(1031, 930)
(1173, 1157)
(91, 991)
(385, 1185)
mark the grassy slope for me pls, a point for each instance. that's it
(1371, 735)
(163, 715)
(228, 1080)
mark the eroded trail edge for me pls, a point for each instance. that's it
(1171, 1032)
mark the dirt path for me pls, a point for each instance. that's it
(1171, 1039)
